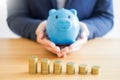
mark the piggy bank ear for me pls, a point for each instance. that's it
(52, 11)
(74, 11)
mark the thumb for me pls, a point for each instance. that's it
(85, 31)
(41, 28)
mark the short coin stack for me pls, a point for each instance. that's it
(70, 68)
(95, 70)
(45, 66)
(33, 62)
(82, 69)
(57, 69)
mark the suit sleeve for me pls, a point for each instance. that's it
(19, 19)
(101, 20)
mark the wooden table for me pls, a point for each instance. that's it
(14, 55)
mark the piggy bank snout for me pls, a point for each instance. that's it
(63, 24)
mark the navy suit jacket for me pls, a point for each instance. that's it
(24, 16)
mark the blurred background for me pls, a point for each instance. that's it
(5, 32)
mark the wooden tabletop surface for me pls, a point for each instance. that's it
(14, 55)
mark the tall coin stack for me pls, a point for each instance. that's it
(45, 66)
(33, 62)
(70, 68)
(57, 68)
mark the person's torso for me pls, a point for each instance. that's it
(39, 8)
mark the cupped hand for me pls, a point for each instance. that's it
(82, 39)
(42, 39)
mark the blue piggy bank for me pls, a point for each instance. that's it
(62, 26)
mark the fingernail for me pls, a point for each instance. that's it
(58, 49)
(52, 45)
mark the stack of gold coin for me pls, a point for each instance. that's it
(82, 69)
(57, 69)
(95, 70)
(70, 69)
(33, 62)
(45, 66)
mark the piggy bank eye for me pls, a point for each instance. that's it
(69, 17)
(56, 16)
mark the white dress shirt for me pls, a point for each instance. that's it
(61, 3)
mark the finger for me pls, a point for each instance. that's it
(77, 45)
(58, 52)
(59, 55)
(85, 31)
(84, 27)
(41, 28)
(64, 51)
(51, 50)
(41, 35)
(73, 49)
(64, 56)
(84, 34)
(55, 50)
(46, 42)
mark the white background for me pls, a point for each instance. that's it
(5, 32)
